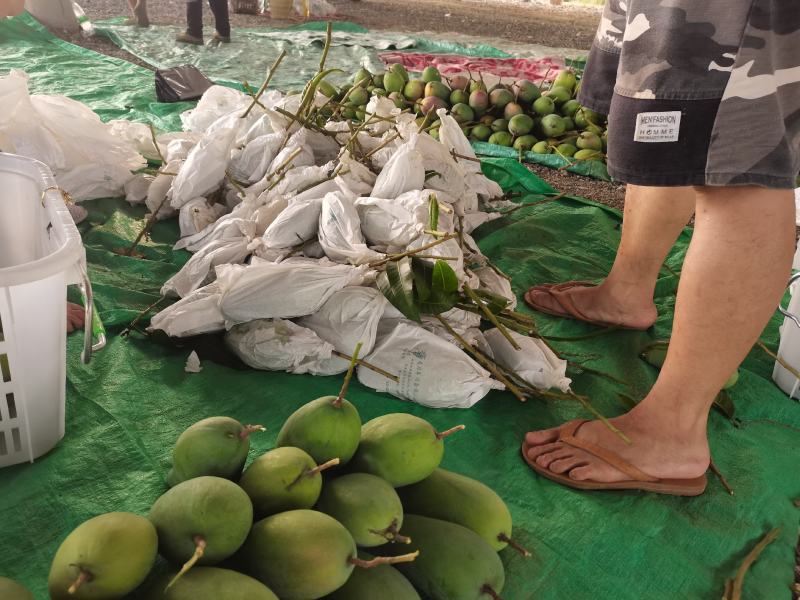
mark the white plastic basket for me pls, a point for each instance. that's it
(40, 254)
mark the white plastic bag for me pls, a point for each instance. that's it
(179, 149)
(350, 316)
(204, 169)
(432, 371)
(227, 227)
(136, 188)
(195, 314)
(277, 345)
(388, 224)
(216, 102)
(453, 139)
(95, 180)
(405, 171)
(534, 362)
(340, 231)
(160, 188)
(292, 288)
(298, 223)
(198, 214)
(251, 163)
(287, 157)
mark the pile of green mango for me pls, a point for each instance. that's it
(545, 119)
(384, 521)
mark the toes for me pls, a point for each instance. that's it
(538, 438)
(537, 451)
(581, 473)
(546, 460)
(565, 464)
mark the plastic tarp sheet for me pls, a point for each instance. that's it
(126, 409)
(113, 88)
(252, 51)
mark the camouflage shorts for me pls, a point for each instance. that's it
(699, 93)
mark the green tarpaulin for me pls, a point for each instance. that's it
(125, 410)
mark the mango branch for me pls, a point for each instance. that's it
(721, 477)
(440, 435)
(490, 316)
(327, 47)
(83, 577)
(513, 545)
(337, 403)
(486, 363)
(263, 87)
(199, 551)
(391, 257)
(155, 144)
(248, 429)
(369, 366)
(734, 587)
(383, 560)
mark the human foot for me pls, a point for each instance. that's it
(75, 317)
(657, 451)
(600, 304)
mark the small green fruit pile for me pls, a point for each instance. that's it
(285, 532)
(544, 119)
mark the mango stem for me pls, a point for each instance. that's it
(83, 577)
(440, 435)
(324, 466)
(487, 589)
(392, 534)
(200, 549)
(337, 403)
(382, 560)
(248, 429)
(507, 540)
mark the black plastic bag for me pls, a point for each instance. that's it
(181, 83)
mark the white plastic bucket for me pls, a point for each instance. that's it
(40, 254)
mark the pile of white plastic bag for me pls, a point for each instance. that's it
(288, 230)
(88, 157)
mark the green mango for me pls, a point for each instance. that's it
(393, 82)
(544, 106)
(587, 154)
(526, 91)
(499, 125)
(588, 140)
(326, 89)
(382, 581)
(500, 97)
(303, 554)
(105, 557)
(458, 499)
(400, 70)
(553, 125)
(11, 590)
(559, 95)
(454, 562)
(481, 132)
(438, 89)
(362, 77)
(366, 505)
(326, 428)
(283, 479)
(431, 74)
(520, 125)
(216, 446)
(377, 80)
(400, 448)
(525, 142)
(542, 148)
(202, 521)
(501, 138)
(570, 107)
(209, 583)
(566, 79)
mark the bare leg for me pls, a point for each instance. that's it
(735, 272)
(139, 11)
(75, 317)
(653, 219)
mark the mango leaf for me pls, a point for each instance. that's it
(433, 211)
(438, 303)
(444, 278)
(397, 284)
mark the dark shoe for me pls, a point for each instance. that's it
(185, 38)
(221, 39)
(136, 22)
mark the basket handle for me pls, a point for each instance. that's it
(792, 317)
(93, 326)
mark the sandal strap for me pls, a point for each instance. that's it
(567, 436)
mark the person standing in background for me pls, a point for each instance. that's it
(194, 20)
(139, 10)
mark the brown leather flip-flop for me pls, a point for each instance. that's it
(568, 309)
(638, 480)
